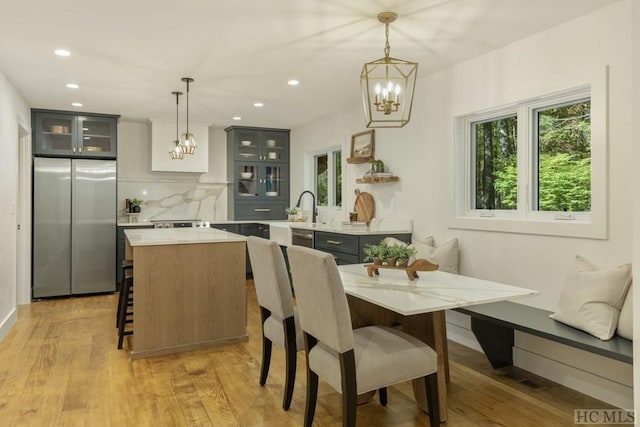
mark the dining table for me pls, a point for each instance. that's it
(417, 306)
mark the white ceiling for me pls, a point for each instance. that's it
(128, 55)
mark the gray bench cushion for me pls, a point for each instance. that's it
(536, 321)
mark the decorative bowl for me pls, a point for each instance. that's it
(245, 143)
(246, 175)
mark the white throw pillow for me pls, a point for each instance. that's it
(625, 322)
(445, 255)
(591, 299)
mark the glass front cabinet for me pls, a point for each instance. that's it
(258, 167)
(66, 134)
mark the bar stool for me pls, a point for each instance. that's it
(125, 303)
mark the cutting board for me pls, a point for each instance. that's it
(365, 207)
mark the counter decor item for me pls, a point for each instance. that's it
(376, 166)
(365, 206)
(362, 147)
(135, 206)
(412, 270)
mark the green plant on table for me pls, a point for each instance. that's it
(403, 254)
(376, 253)
(291, 211)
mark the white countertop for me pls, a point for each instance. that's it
(342, 229)
(432, 291)
(179, 236)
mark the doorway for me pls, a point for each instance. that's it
(23, 218)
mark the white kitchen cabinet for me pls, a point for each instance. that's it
(163, 132)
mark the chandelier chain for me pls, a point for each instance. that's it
(387, 47)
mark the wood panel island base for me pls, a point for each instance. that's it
(189, 289)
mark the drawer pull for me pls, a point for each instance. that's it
(334, 242)
(262, 210)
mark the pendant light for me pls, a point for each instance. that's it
(387, 86)
(187, 141)
(175, 152)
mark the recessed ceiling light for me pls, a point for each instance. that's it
(72, 86)
(258, 104)
(76, 104)
(62, 52)
(237, 118)
(293, 82)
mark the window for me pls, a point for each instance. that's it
(562, 176)
(537, 166)
(328, 178)
(495, 147)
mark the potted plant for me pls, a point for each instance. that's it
(403, 253)
(291, 213)
(135, 205)
(376, 253)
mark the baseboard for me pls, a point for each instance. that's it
(591, 384)
(7, 323)
(596, 376)
(462, 336)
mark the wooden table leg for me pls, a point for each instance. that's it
(429, 328)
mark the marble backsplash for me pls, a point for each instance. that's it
(174, 200)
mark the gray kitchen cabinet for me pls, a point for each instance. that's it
(120, 244)
(231, 228)
(254, 229)
(349, 248)
(258, 167)
(67, 134)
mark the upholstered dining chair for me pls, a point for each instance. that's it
(279, 317)
(351, 361)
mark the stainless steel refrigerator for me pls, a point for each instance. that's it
(74, 226)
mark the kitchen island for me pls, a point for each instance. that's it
(189, 289)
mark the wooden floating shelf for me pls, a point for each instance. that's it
(358, 160)
(376, 179)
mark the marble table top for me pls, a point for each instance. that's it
(179, 236)
(432, 291)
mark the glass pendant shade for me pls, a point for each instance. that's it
(387, 86)
(188, 143)
(174, 150)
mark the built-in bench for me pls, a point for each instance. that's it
(493, 325)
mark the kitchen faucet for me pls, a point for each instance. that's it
(314, 213)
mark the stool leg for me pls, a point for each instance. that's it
(122, 315)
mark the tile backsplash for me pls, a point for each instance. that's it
(174, 199)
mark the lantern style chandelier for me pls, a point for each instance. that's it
(387, 86)
(175, 152)
(187, 141)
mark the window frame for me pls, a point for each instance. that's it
(524, 219)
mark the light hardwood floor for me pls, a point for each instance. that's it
(59, 365)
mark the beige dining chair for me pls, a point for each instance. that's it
(279, 317)
(351, 361)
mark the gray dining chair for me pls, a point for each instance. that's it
(279, 317)
(351, 361)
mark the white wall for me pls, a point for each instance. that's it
(421, 153)
(14, 114)
(178, 195)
